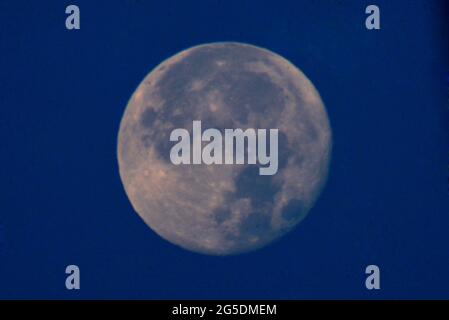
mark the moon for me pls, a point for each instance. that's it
(223, 209)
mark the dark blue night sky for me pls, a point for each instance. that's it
(62, 95)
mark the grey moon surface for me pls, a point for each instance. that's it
(224, 209)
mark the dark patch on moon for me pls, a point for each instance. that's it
(260, 189)
(265, 97)
(163, 150)
(257, 224)
(148, 117)
(222, 214)
(295, 209)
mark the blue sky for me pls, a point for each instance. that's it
(63, 93)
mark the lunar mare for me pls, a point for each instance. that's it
(223, 209)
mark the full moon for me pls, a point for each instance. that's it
(224, 209)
